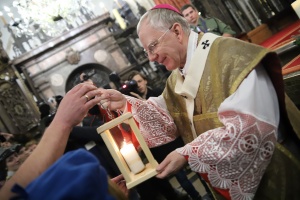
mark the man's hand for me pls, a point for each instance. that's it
(75, 104)
(121, 183)
(170, 165)
(112, 99)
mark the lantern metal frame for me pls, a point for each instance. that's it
(130, 178)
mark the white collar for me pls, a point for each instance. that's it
(192, 45)
(189, 86)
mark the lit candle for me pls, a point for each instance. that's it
(132, 158)
(2, 18)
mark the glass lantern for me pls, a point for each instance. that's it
(124, 152)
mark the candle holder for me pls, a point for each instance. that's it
(126, 158)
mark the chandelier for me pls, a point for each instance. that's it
(52, 17)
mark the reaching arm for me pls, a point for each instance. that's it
(71, 111)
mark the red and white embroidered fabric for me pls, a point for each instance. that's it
(155, 132)
(233, 157)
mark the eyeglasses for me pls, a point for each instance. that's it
(152, 46)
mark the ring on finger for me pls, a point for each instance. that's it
(87, 97)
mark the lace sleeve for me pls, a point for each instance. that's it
(235, 156)
(155, 123)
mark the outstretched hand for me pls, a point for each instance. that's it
(112, 99)
(72, 109)
(76, 103)
(170, 165)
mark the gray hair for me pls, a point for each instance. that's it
(162, 19)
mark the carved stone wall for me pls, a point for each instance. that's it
(54, 67)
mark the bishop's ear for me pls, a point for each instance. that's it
(177, 29)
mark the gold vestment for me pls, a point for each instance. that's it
(229, 62)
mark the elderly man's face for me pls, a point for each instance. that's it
(162, 46)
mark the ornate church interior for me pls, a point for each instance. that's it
(46, 54)
(46, 45)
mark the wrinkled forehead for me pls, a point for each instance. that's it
(148, 33)
(145, 24)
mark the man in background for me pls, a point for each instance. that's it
(210, 24)
(143, 88)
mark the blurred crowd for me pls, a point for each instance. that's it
(14, 150)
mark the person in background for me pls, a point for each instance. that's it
(5, 136)
(12, 153)
(205, 25)
(27, 149)
(12, 163)
(28, 180)
(6, 144)
(9, 157)
(227, 100)
(143, 87)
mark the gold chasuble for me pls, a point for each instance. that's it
(228, 63)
